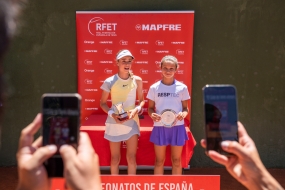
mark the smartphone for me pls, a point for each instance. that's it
(60, 125)
(221, 115)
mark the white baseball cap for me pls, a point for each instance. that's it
(124, 53)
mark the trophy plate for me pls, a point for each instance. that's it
(168, 117)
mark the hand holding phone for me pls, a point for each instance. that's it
(60, 125)
(220, 110)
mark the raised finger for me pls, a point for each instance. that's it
(38, 142)
(219, 158)
(27, 134)
(84, 144)
(68, 154)
(234, 148)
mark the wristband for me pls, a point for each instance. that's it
(110, 112)
(139, 108)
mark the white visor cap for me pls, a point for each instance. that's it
(123, 54)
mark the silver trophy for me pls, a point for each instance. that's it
(122, 113)
(168, 117)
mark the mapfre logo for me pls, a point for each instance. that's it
(159, 43)
(96, 26)
(138, 27)
(108, 71)
(91, 109)
(144, 51)
(158, 27)
(177, 43)
(88, 62)
(141, 62)
(124, 42)
(90, 50)
(144, 71)
(141, 42)
(161, 51)
(106, 62)
(106, 42)
(144, 91)
(91, 90)
(180, 52)
(108, 51)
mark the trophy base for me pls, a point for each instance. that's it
(123, 116)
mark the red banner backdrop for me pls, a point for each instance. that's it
(148, 35)
(154, 182)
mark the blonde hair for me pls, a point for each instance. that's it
(169, 58)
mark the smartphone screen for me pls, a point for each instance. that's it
(61, 122)
(220, 107)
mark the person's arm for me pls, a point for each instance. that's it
(30, 157)
(245, 164)
(151, 111)
(103, 101)
(140, 97)
(81, 168)
(140, 93)
(105, 107)
(181, 115)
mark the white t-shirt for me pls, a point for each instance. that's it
(168, 97)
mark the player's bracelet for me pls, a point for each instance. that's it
(110, 112)
(139, 108)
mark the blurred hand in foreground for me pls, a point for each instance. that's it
(245, 164)
(81, 168)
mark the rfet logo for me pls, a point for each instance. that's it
(159, 43)
(123, 42)
(108, 51)
(108, 71)
(144, 51)
(97, 24)
(179, 52)
(88, 62)
(144, 71)
(88, 81)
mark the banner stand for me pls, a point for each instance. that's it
(149, 35)
(140, 167)
(151, 182)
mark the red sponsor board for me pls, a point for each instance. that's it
(153, 182)
(148, 35)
